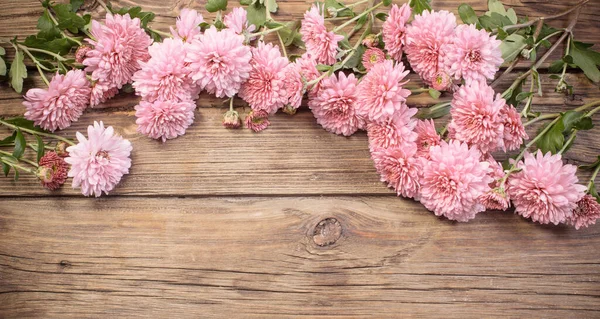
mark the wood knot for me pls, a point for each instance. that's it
(327, 232)
(64, 264)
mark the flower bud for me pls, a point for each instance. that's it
(231, 119)
(441, 81)
(61, 149)
(332, 12)
(371, 40)
(289, 109)
(81, 53)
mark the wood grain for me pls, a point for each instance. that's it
(215, 257)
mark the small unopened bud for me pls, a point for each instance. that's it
(371, 40)
(231, 119)
(332, 12)
(44, 174)
(526, 53)
(81, 53)
(441, 81)
(561, 87)
(257, 120)
(289, 109)
(61, 149)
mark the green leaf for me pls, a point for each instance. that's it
(67, 19)
(431, 113)
(553, 140)
(323, 67)
(20, 144)
(523, 95)
(60, 46)
(257, 14)
(45, 22)
(247, 2)
(538, 81)
(592, 190)
(512, 15)
(216, 5)
(584, 124)
(586, 59)
(2, 51)
(556, 66)
(24, 123)
(569, 119)
(288, 32)
(356, 58)
(495, 6)
(40, 148)
(387, 3)
(16, 175)
(467, 14)
(337, 5)
(512, 46)
(76, 4)
(419, 6)
(591, 166)
(271, 5)
(2, 67)
(5, 169)
(382, 16)
(435, 93)
(9, 140)
(17, 72)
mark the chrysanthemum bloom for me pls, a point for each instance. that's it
(52, 171)
(266, 89)
(320, 43)
(394, 30)
(495, 199)
(81, 52)
(220, 62)
(102, 92)
(380, 92)
(399, 168)
(294, 86)
(257, 120)
(63, 103)
(308, 69)
(119, 47)
(473, 55)
(164, 119)
(188, 25)
(237, 21)
(334, 105)
(371, 57)
(427, 137)
(441, 81)
(453, 180)
(165, 76)
(396, 131)
(425, 37)
(586, 213)
(99, 161)
(476, 117)
(61, 149)
(496, 171)
(231, 120)
(545, 190)
(514, 131)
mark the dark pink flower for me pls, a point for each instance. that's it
(52, 171)
(586, 213)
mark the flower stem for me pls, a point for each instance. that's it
(352, 5)
(20, 159)
(594, 174)
(231, 104)
(534, 21)
(162, 33)
(568, 142)
(24, 169)
(262, 33)
(541, 118)
(52, 54)
(282, 45)
(345, 24)
(33, 132)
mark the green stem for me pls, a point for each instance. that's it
(527, 107)
(541, 118)
(535, 139)
(568, 142)
(20, 159)
(593, 178)
(534, 21)
(24, 169)
(32, 132)
(352, 5)
(282, 45)
(419, 90)
(263, 33)
(345, 24)
(162, 33)
(231, 104)
(52, 54)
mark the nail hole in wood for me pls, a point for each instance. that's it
(327, 232)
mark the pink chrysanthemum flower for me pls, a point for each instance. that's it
(425, 37)
(166, 75)
(396, 131)
(495, 199)
(164, 119)
(399, 168)
(220, 62)
(294, 85)
(309, 72)
(453, 180)
(63, 103)
(496, 171)
(427, 137)
(119, 47)
(586, 213)
(394, 30)
(257, 120)
(473, 55)
(265, 89)
(372, 57)
(476, 117)
(334, 105)
(237, 21)
(545, 190)
(514, 131)
(81, 52)
(98, 162)
(52, 171)
(322, 45)
(188, 25)
(380, 92)
(102, 92)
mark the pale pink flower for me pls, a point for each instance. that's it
(166, 75)
(265, 89)
(334, 105)
(237, 21)
(371, 57)
(294, 85)
(63, 103)
(98, 162)
(52, 171)
(102, 92)
(496, 170)
(257, 120)
(119, 47)
(586, 213)
(425, 37)
(399, 168)
(320, 43)
(453, 180)
(396, 131)
(476, 117)
(164, 119)
(473, 55)
(514, 131)
(427, 137)
(309, 72)
(231, 120)
(219, 62)
(495, 199)
(545, 190)
(380, 92)
(394, 30)
(188, 25)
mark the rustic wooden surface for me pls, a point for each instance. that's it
(286, 223)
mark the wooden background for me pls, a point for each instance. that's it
(290, 222)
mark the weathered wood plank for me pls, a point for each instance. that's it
(215, 257)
